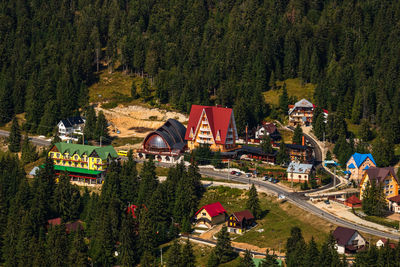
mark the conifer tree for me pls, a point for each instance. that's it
(187, 258)
(295, 248)
(365, 132)
(282, 157)
(319, 129)
(312, 255)
(145, 90)
(247, 260)
(148, 183)
(297, 135)
(269, 260)
(78, 253)
(316, 113)
(101, 127)
(90, 124)
(58, 247)
(284, 100)
(147, 238)
(134, 93)
(29, 153)
(128, 237)
(253, 203)
(174, 255)
(66, 198)
(213, 260)
(14, 138)
(223, 250)
(266, 144)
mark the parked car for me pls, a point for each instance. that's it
(275, 181)
(233, 172)
(270, 179)
(281, 196)
(265, 178)
(248, 175)
(238, 173)
(327, 202)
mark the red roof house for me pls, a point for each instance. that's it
(211, 125)
(353, 202)
(211, 214)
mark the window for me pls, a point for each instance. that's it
(391, 186)
(98, 160)
(386, 181)
(391, 192)
(76, 157)
(203, 214)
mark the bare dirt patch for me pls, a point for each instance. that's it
(138, 121)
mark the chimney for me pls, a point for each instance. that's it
(303, 141)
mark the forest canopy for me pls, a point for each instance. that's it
(201, 52)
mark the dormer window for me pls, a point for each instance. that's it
(218, 137)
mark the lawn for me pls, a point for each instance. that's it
(111, 85)
(117, 142)
(278, 218)
(294, 88)
(286, 135)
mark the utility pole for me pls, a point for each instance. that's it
(100, 140)
(334, 177)
(228, 169)
(161, 256)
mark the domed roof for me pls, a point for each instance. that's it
(169, 136)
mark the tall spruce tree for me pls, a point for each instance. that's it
(223, 250)
(266, 144)
(247, 260)
(174, 255)
(101, 127)
(297, 135)
(253, 203)
(270, 260)
(187, 258)
(14, 139)
(282, 157)
(284, 100)
(128, 237)
(90, 124)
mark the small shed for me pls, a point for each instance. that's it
(353, 202)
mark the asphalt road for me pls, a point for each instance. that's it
(34, 140)
(299, 200)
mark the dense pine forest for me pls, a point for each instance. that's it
(201, 52)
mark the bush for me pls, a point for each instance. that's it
(109, 105)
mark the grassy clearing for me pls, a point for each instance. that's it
(111, 85)
(294, 88)
(287, 135)
(117, 142)
(279, 218)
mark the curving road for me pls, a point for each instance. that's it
(299, 200)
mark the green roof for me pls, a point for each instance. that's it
(78, 170)
(103, 152)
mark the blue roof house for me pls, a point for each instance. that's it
(357, 165)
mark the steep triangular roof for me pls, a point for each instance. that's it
(213, 209)
(379, 174)
(218, 119)
(360, 158)
(244, 214)
(343, 235)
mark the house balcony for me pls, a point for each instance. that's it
(204, 142)
(204, 135)
(205, 129)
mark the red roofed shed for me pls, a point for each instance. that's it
(353, 202)
(211, 214)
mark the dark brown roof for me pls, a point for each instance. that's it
(353, 200)
(72, 227)
(244, 214)
(379, 174)
(343, 235)
(270, 127)
(395, 199)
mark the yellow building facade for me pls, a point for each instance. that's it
(384, 176)
(82, 158)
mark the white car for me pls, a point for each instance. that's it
(281, 196)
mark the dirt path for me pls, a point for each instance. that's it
(138, 121)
